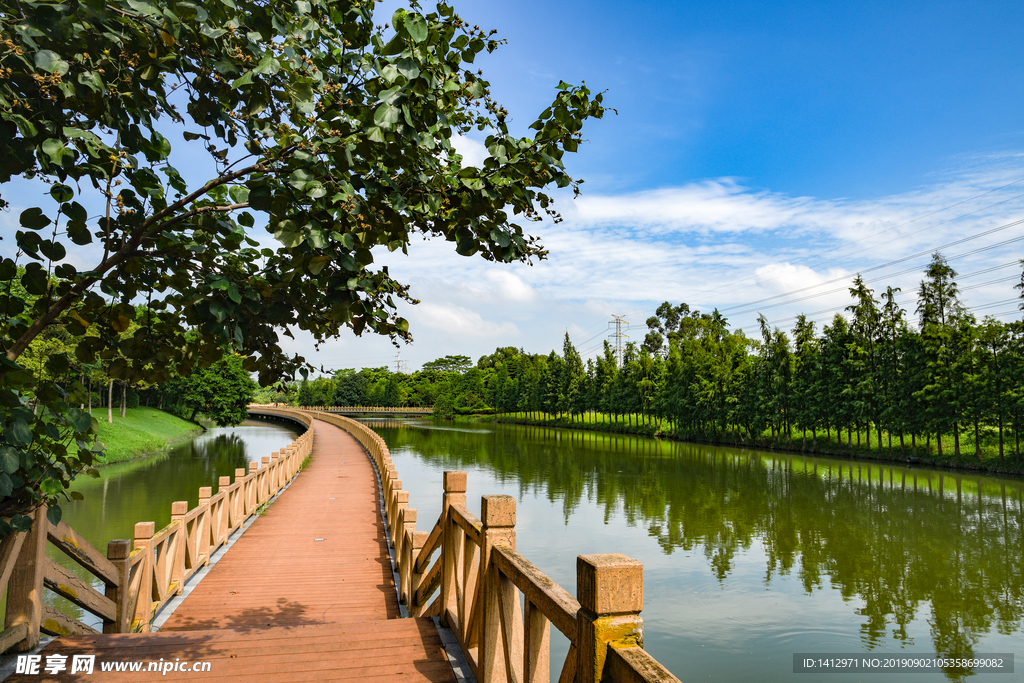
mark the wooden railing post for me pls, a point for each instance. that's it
(390, 503)
(610, 589)
(264, 494)
(178, 511)
(454, 494)
(25, 587)
(408, 576)
(118, 551)
(498, 514)
(401, 502)
(251, 490)
(144, 607)
(406, 524)
(203, 535)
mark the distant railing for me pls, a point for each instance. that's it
(478, 576)
(356, 409)
(138, 578)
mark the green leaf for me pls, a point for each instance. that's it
(53, 512)
(386, 115)
(267, 65)
(394, 46)
(19, 434)
(48, 60)
(219, 311)
(259, 198)
(79, 420)
(62, 193)
(244, 79)
(54, 149)
(6, 485)
(91, 80)
(239, 194)
(9, 461)
(415, 26)
(33, 219)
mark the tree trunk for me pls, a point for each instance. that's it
(977, 439)
(956, 439)
(124, 399)
(110, 402)
(1000, 436)
(938, 443)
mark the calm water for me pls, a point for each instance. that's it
(142, 490)
(751, 556)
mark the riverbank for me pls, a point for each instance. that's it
(824, 447)
(142, 431)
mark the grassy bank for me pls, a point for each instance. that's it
(143, 430)
(924, 453)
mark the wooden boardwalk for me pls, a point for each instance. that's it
(306, 594)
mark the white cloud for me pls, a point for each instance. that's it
(473, 152)
(457, 320)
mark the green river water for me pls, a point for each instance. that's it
(142, 490)
(752, 556)
(749, 556)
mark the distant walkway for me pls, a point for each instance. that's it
(306, 594)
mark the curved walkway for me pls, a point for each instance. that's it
(306, 594)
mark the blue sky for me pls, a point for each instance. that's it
(759, 148)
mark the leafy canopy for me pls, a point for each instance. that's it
(331, 132)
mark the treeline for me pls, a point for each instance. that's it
(436, 383)
(943, 383)
(869, 378)
(219, 391)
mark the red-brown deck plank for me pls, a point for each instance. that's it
(277, 573)
(281, 606)
(409, 649)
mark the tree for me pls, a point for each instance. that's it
(940, 312)
(334, 134)
(221, 392)
(449, 364)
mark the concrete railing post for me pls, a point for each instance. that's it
(144, 607)
(25, 587)
(610, 589)
(179, 509)
(118, 552)
(498, 514)
(454, 494)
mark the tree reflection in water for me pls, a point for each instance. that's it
(907, 543)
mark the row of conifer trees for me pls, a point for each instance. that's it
(873, 377)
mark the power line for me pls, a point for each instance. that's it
(909, 234)
(885, 265)
(876, 279)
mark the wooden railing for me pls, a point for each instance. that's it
(357, 409)
(467, 572)
(138, 577)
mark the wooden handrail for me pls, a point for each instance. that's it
(137, 581)
(477, 577)
(554, 601)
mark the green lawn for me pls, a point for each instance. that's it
(144, 430)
